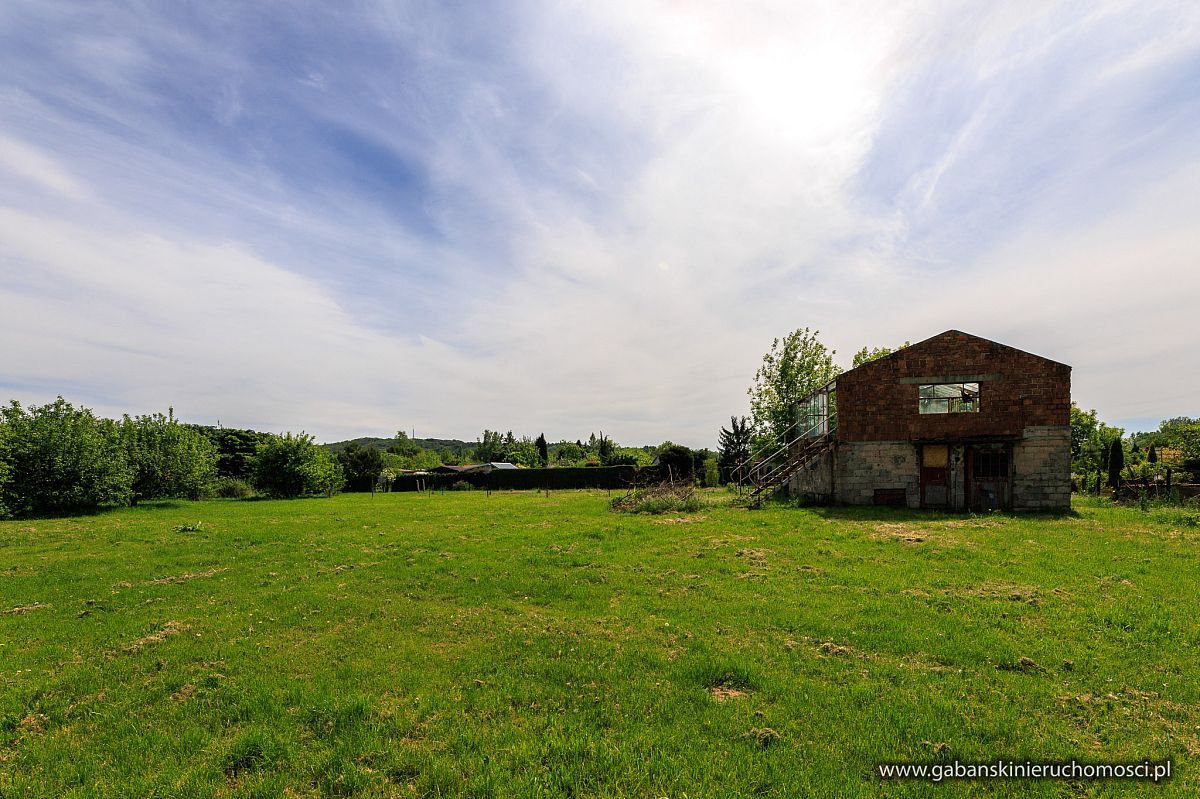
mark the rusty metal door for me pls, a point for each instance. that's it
(935, 476)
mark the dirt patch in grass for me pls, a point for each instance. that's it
(169, 629)
(756, 556)
(973, 523)
(183, 578)
(695, 517)
(720, 693)
(183, 693)
(1012, 592)
(21, 610)
(718, 543)
(918, 534)
(32, 724)
(899, 532)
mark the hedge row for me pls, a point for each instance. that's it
(619, 477)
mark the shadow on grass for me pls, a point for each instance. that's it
(883, 513)
(70, 513)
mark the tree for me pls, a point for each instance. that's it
(629, 456)
(404, 446)
(491, 448)
(323, 474)
(58, 458)
(866, 355)
(524, 453)
(1116, 462)
(676, 461)
(570, 452)
(5, 476)
(1084, 425)
(791, 370)
(361, 466)
(543, 449)
(1091, 441)
(291, 466)
(168, 459)
(606, 448)
(733, 446)
(1152, 455)
(235, 449)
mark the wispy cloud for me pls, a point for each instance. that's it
(38, 170)
(568, 217)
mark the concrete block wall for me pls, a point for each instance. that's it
(1041, 469)
(814, 481)
(863, 466)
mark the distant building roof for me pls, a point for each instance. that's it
(491, 466)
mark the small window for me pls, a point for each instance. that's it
(949, 398)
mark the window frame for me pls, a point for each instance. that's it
(967, 400)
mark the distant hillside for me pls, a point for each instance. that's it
(436, 444)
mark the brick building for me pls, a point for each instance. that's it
(955, 421)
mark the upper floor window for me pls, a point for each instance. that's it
(949, 398)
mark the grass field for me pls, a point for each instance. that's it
(530, 645)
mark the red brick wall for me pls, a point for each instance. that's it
(872, 405)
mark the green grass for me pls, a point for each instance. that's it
(531, 645)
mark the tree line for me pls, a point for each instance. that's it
(60, 458)
(1102, 453)
(364, 463)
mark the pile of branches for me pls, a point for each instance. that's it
(665, 497)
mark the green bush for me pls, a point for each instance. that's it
(361, 465)
(291, 466)
(230, 488)
(58, 458)
(461, 485)
(4, 479)
(657, 505)
(168, 459)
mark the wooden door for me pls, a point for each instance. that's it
(935, 476)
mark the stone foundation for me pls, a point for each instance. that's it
(854, 470)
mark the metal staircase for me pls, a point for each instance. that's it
(769, 468)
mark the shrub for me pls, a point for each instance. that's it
(361, 466)
(291, 466)
(323, 474)
(461, 485)
(59, 458)
(4, 478)
(230, 488)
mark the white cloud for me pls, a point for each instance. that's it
(37, 167)
(631, 200)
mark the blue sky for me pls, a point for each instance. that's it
(568, 217)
